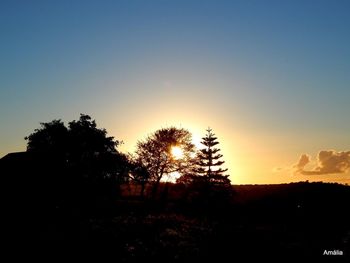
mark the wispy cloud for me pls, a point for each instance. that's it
(328, 162)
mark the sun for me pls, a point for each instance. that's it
(177, 152)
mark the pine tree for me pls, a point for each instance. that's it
(209, 162)
(207, 185)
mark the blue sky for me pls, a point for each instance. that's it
(270, 77)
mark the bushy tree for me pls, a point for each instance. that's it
(51, 137)
(81, 138)
(155, 153)
(90, 149)
(90, 156)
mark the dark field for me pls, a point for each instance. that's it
(286, 221)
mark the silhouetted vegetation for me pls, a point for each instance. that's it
(73, 185)
(91, 167)
(205, 181)
(154, 153)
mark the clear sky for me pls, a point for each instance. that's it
(271, 78)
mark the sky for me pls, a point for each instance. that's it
(271, 78)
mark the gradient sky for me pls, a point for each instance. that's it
(270, 77)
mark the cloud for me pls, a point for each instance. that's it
(303, 161)
(328, 162)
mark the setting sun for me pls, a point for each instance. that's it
(177, 152)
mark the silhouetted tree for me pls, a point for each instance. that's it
(90, 148)
(139, 174)
(91, 159)
(206, 178)
(154, 153)
(52, 137)
(209, 163)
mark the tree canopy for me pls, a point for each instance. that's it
(52, 137)
(81, 136)
(155, 153)
(86, 149)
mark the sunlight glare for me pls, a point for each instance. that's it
(177, 152)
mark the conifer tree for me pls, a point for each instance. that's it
(209, 162)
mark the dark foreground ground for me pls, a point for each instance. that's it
(289, 222)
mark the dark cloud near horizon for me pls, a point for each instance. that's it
(328, 162)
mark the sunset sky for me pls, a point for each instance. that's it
(271, 78)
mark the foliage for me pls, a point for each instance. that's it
(51, 137)
(154, 153)
(209, 158)
(79, 138)
(91, 151)
(207, 184)
(85, 137)
(90, 156)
